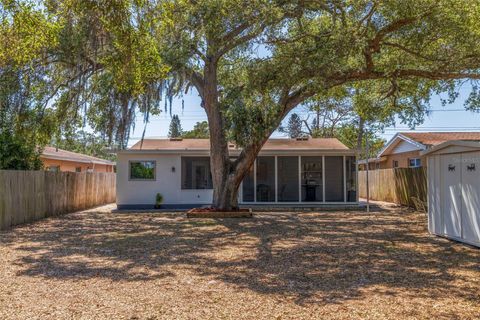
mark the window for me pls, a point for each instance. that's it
(395, 163)
(414, 163)
(196, 173)
(142, 170)
(287, 172)
(53, 168)
(377, 166)
(78, 169)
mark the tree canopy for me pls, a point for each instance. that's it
(175, 130)
(199, 131)
(102, 62)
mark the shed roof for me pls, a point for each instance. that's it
(311, 144)
(64, 155)
(465, 146)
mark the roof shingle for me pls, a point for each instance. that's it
(59, 154)
(435, 138)
(271, 144)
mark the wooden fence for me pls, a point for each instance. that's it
(26, 196)
(395, 185)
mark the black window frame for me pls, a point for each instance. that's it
(141, 179)
(183, 185)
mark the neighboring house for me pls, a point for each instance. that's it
(55, 159)
(286, 172)
(405, 148)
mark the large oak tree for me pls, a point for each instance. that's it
(253, 62)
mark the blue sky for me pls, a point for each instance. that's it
(452, 117)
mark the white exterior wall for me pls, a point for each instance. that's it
(142, 192)
(168, 183)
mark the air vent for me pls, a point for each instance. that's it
(176, 139)
(231, 145)
(303, 138)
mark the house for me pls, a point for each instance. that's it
(55, 159)
(405, 148)
(453, 173)
(286, 172)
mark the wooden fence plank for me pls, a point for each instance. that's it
(32, 195)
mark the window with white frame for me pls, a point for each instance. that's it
(414, 162)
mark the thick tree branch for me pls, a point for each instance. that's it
(197, 80)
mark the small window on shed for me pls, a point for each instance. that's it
(53, 168)
(78, 169)
(395, 163)
(142, 170)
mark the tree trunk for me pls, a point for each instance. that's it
(227, 175)
(361, 124)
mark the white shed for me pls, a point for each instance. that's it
(454, 190)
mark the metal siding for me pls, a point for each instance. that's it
(404, 146)
(452, 195)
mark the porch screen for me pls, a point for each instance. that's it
(196, 173)
(248, 186)
(351, 179)
(287, 178)
(312, 179)
(266, 179)
(334, 179)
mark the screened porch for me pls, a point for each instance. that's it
(301, 179)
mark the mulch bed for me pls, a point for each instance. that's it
(210, 212)
(320, 265)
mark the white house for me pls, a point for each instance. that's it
(454, 190)
(310, 172)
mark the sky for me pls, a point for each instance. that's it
(452, 117)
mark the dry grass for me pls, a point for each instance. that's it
(335, 265)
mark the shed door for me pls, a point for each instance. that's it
(451, 171)
(471, 196)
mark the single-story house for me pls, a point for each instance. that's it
(454, 190)
(405, 149)
(55, 159)
(287, 172)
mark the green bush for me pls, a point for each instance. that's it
(158, 200)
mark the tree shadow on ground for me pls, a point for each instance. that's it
(310, 257)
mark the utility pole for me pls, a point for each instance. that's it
(368, 164)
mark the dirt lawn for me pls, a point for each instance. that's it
(335, 265)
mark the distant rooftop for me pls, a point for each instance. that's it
(271, 144)
(59, 154)
(435, 138)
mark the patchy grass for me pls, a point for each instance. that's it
(335, 265)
